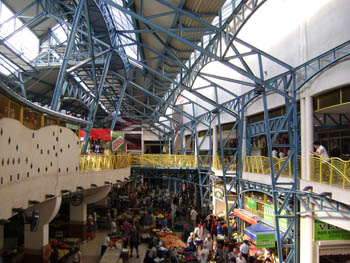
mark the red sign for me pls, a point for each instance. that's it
(103, 134)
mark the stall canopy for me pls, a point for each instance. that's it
(263, 236)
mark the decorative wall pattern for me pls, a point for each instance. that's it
(36, 163)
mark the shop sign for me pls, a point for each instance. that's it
(117, 142)
(324, 231)
(219, 193)
(265, 240)
(252, 204)
(269, 216)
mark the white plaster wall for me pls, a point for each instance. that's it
(53, 147)
(149, 136)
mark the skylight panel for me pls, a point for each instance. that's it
(123, 21)
(24, 42)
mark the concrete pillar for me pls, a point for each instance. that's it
(309, 139)
(307, 245)
(78, 214)
(78, 221)
(36, 244)
(303, 138)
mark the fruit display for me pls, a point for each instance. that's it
(171, 240)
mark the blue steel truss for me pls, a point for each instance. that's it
(130, 86)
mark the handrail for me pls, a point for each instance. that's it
(98, 162)
(261, 164)
(332, 171)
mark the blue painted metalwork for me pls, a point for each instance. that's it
(62, 72)
(94, 109)
(121, 96)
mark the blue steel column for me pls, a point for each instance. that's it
(295, 132)
(95, 105)
(223, 170)
(199, 164)
(273, 179)
(62, 72)
(92, 53)
(119, 104)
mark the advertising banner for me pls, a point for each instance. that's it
(117, 142)
(219, 193)
(252, 204)
(265, 240)
(324, 231)
(269, 216)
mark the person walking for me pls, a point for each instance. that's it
(105, 244)
(77, 256)
(193, 215)
(134, 241)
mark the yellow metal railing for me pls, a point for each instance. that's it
(98, 162)
(333, 171)
(164, 160)
(261, 165)
(227, 159)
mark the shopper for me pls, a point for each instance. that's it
(190, 242)
(320, 150)
(193, 215)
(105, 244)
(54, 254)
(203, 255)
(134, 241)
(244, 249)
(77, 256)
(241, 259)
(208, 243)
(199, 231)
(214, 226)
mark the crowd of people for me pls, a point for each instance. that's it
(145, 208)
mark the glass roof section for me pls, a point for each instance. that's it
(24, 42)
(123, 21)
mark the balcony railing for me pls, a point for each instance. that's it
(332, 171)
(98, 162)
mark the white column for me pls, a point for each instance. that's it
(78, 214)
(307, 245)
(309, 132)
(35, 243)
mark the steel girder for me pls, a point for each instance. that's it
(241, 12)
(328, 120)
(307, 199)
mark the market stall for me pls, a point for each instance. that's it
(171, 240)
